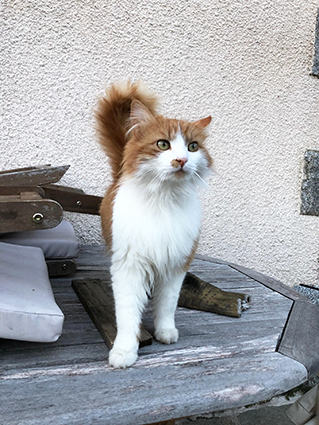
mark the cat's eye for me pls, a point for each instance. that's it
(164, 145)
(193, 147)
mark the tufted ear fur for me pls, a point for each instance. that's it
(203, 123)
(140, 113)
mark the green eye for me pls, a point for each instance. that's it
(164, 145)
(193, 147)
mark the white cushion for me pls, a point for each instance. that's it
(59, 242)
(28, 311)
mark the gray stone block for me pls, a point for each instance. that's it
(310, 184)
(315, 68)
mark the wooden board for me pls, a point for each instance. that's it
(73, 200)
(16, 190)
(32, 176)
(200, 295)
(97, 297)
(218, 363)
(17, 213)
(300, 339)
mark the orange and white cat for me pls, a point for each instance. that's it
(151, 213)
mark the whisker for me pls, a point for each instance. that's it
(201, 179)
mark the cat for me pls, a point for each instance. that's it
(151, 213)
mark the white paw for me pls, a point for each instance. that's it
(119, 358)
(167, 336)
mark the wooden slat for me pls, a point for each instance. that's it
(33, 176)
(30, 196)
(16, 190)
(74, 200)
(200, 295)
(273, 284)
(219, 362)
(300, 339)
(98, 300)
(94, 393)
(17, 214)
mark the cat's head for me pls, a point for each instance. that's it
(161, 150)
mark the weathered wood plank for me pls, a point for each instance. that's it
(79, 333)
(84, 341)
(73, 200)
(97, 298)
(99, 303)
(93, 393)
(270, 283)
(20, 214)
(200, 295)
(32, 176)
(218, 363)
(222, 274)
(196, 329)
(190, 351)
(16, 190)
(301, 336)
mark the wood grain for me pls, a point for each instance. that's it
(97, 298)
(200, 295)
(301, 336)
(73, 200)
(16, 212)
(16, 190)
(32, 176)
(219, 362)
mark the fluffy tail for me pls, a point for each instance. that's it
(112, 118)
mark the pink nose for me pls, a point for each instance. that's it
(182, 161)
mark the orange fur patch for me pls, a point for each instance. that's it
(142, 142)
(128, 142)
(191, 256)
(112, 114)
(106, 213)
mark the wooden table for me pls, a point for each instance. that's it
(218, 363)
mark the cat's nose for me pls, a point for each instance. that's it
(182, 161)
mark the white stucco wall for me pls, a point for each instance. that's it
(245, 62)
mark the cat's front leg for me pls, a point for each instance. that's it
(165, 303)
(130, 298)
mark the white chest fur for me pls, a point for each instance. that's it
(155, 232)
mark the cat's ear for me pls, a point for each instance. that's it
(203, 123)
(139, 113)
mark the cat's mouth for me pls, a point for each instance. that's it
(180, 173)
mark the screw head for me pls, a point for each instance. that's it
(79, 203)
(37, 218)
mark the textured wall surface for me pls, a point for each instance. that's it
(245, 62)
(315, 68)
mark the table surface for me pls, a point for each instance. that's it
(218, 363)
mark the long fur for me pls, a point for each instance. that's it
(151, 212)
(112, 118)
